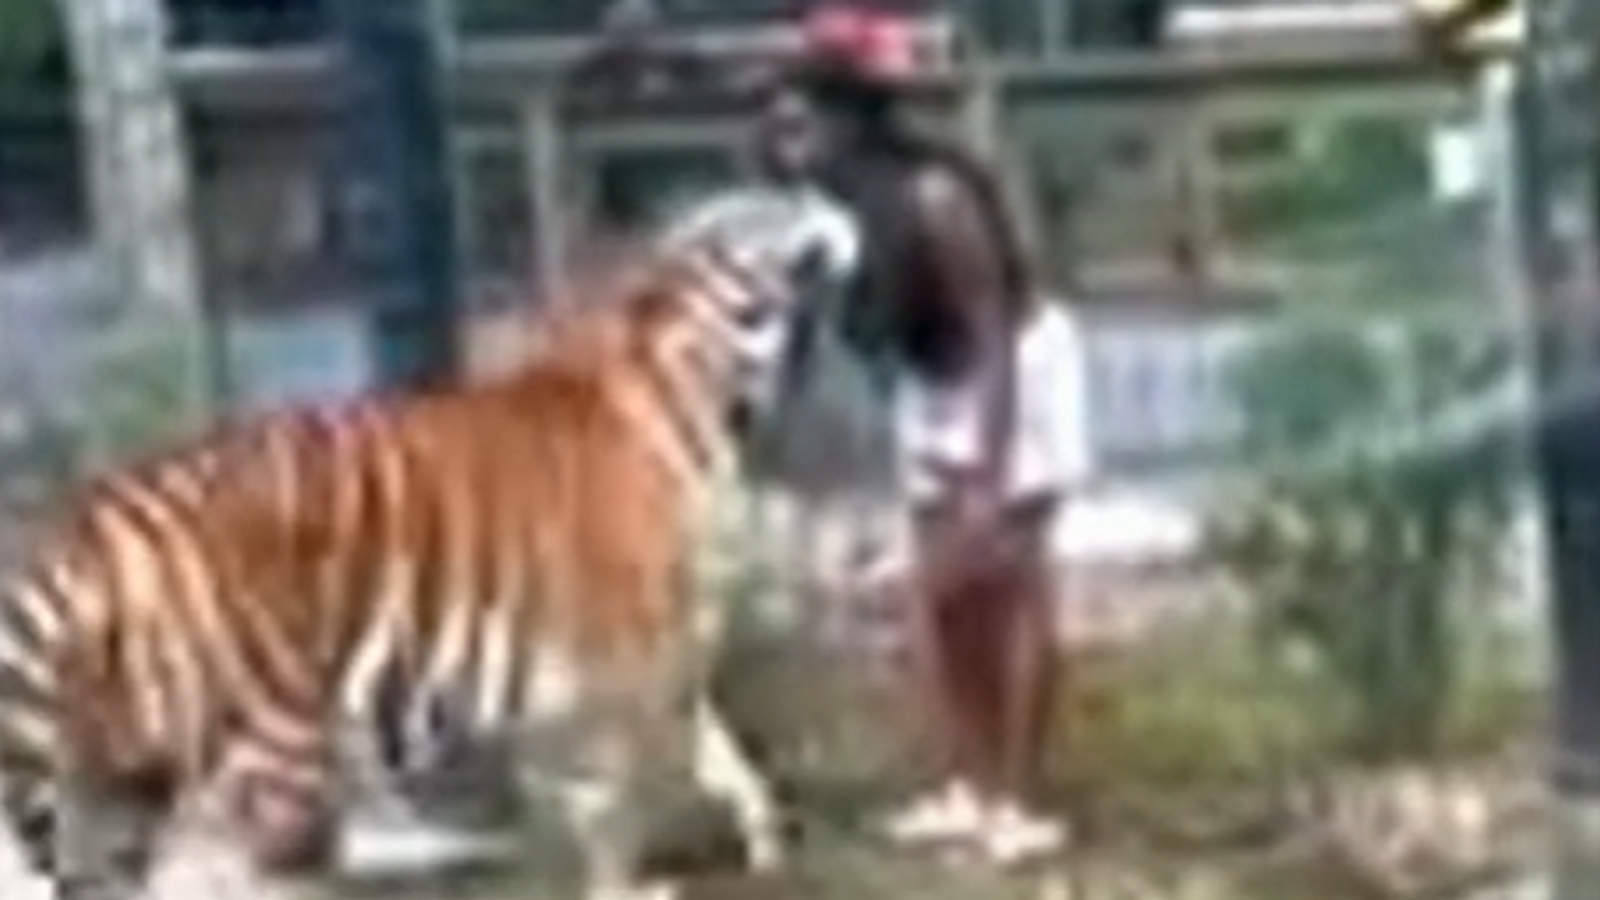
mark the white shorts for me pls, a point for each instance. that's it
(942, 424)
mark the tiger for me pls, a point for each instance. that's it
(201, 617)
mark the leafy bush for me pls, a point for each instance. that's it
(1200, 708)
(1373, 536)
(143, 393)
(1354, 167)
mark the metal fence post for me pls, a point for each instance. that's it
(1558, 168)
(395, 186)
(1554, 168)
(544, 159)
(137, 166)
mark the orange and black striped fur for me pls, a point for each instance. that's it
(204, 616)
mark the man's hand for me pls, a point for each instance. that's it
(959, 234)
(976, 531)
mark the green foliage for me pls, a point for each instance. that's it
(1201, 708)
(1349, 168)
(36, 463)
(28, 32)
(1376, 563)
(1348, 217)
(1302, 393)
(1213, 707)
(142, 392)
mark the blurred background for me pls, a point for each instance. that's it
(1334, 616)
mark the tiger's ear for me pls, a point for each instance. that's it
(655, 303)
(653, 309)
(652, 318)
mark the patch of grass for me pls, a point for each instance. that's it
(1216, 712)
(1204, 707)
(1194, 730)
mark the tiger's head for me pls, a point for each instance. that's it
(747, 267)
(692, 331)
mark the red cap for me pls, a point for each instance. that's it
(874, 46)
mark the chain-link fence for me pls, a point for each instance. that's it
(1303, 606)
(1302, 609)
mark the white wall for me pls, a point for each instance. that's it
(310, 356)
(1158, 383)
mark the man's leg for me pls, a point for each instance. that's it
(948, 667)
(1035, 672)
(1029, 673)
(973, 629)
(986, 661)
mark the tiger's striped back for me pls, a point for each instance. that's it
(211, 609)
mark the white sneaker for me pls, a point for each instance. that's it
(950, 813)
(1011, 835)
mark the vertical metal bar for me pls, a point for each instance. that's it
(395, 187)
(1527, 103)
(542, 152)
(1568, 457)
(1552, 168)
(981, 122)
(138, 169)
(1511, 233)
(1054, 19)
(1195, 190)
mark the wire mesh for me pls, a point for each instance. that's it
(1302, 606)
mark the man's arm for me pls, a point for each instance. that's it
(963, 249)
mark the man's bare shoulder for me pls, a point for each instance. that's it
(940, 186)
(949, 206)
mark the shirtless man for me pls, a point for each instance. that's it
(985, 395)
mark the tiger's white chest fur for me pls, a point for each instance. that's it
(554, 686)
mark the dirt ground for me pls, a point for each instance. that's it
(829, 867)
(836, 866)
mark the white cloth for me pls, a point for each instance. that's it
(1050, 448)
